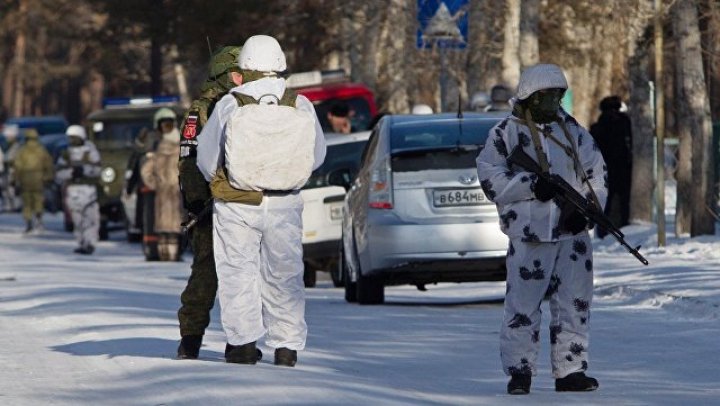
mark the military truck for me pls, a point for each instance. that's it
(115, 129)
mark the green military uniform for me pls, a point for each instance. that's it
(33, 169)
(198, 297)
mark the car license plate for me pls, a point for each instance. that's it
(458, 197)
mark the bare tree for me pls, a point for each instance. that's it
(694, 125)
(528, 47)
(510, 54)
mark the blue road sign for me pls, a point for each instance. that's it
(442, 23)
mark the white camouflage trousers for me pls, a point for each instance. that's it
(81, 200)
(563, 270)
(259, 262)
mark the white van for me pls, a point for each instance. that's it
(322, 216)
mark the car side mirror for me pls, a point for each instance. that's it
(340, 177)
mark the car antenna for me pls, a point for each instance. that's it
(459, 116)
(460, 113)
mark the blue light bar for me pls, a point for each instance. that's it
(139, 101)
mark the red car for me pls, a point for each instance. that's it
(325, 88)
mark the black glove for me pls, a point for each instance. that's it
(574, 222)
(77, 172)
(544, 190)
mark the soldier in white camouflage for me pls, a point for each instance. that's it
(198, 297)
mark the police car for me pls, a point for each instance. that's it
(322, 216)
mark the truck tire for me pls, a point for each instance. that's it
(309, 276)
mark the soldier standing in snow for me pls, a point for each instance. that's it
(33, 169)
(79, 166)
(260, 137)
(550, 250)
(159, 173)
(198, 297)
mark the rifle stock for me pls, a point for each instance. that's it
(568, 194)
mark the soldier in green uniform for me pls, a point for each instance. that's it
(33, 169)
(198, 297)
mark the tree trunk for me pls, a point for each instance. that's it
(641, 114)
(694, 118)
(510, 53)
(528, 46)
(19, 63)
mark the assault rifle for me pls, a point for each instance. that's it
(192, 219)
(568, 195)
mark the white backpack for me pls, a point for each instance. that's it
(269, 146)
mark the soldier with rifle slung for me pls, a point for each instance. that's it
(550, 251)
(198, 297)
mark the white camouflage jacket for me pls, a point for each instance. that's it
(511, 188)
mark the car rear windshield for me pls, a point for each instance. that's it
(441, 145)
(359, 113)
(338, 156)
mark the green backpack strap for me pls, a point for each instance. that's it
(288, 99)
(243, 99)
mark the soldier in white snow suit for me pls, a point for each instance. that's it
(550, 250)
(79, 167)
(257, 150)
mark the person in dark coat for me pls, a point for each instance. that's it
(613, 135)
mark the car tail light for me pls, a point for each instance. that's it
(381, 186)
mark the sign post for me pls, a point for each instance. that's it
(442, 24)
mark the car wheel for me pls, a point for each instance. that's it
(309, 276)
(370, 290)
(350, 286)
(338, 271)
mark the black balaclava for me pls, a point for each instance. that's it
(543, 105)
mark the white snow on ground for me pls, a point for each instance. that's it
(103, 330)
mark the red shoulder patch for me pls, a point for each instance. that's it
(190, 129)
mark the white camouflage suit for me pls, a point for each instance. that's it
(540, 257)
(81, 193)
(258, 249)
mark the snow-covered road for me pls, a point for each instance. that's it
(103, 330)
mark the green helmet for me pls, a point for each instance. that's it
(163, 114)
(223, 60)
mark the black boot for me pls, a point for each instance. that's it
(189, 347)
(285, 357)
(519, 384)
(576, 382)
(242, 354)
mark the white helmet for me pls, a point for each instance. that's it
(163, 114)
(421, 109)
(76, 131)
(262, 53)
(11, 131)
(539, 77)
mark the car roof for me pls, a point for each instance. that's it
(414, 119)
(35, 119)
(336, 138)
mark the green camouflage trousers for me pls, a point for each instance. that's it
(199, 295)
(32, 204)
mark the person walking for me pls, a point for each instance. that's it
(613, 135)
(79, 168)
(198, 297)
(260, 137)
(33, 167)
(550, 252)
(160, 174)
